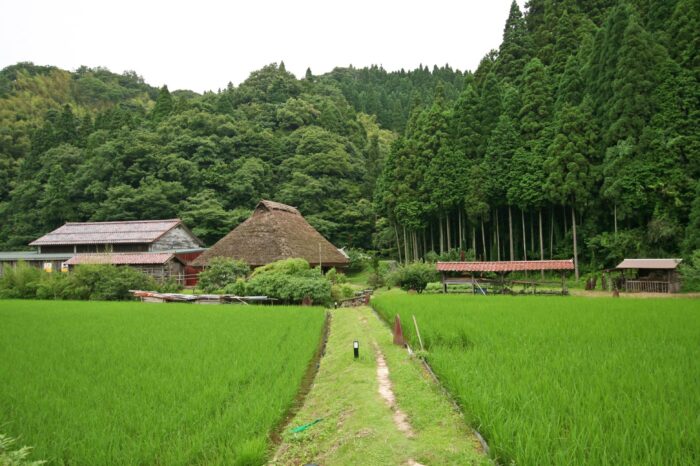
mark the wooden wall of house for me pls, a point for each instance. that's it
(95, 248)
(39, 264)
(177, 238)
(163, 272)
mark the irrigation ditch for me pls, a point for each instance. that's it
(307, 383)
(483, 444)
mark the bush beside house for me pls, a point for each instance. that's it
(86, 282)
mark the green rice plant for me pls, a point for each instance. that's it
(135, 383)
(566, 380)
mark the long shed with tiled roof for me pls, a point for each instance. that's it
(472, 273)
(273, 232)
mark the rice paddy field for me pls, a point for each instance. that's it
(134, 383)
(566, 380)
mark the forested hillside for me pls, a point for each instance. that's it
(578, 137)
(580, 134)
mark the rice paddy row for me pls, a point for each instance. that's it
(132, 383)
(565, 380)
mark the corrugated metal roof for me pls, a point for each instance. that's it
(505, 266)
(140, 231)
(156, 258)
(8, 256)
(649, 264)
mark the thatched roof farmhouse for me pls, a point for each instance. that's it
(275, 231)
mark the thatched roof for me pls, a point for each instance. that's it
(275, 231)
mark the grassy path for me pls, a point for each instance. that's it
(362, 426)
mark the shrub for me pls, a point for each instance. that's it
(170, 286)
(284, 266)
(105, 282)
(414, 276)
(290, 281)
(690, 272)
(21, 281)
(290, 288)
(336, 277)
(52, 286)
(238, 288)
(358, 260)
(220, 272)
(98, 282)
(380, 271)
(339, 292)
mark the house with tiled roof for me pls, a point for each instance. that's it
(163, 248)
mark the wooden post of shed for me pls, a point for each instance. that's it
(563, 283)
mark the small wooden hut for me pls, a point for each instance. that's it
(273, 232)
(476, 275)
(649, 275)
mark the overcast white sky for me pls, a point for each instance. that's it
(204, 44)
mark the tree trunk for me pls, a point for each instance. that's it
(615, 216)
(532, 233)
(425, 243)
(449, 237)
(461, 238)
(498, 239)
(432, 239)
(573, 231)
(442, 242)
(398, 241)
(566, 228)
(551, 234)
(415, 246)
(522, 217)
(474, 240)
(483, 239)
(405, 246)
(541, 241)
(510, 234)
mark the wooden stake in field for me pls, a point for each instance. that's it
(418, 332)
(398, 332)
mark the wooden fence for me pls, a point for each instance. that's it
(648, 286)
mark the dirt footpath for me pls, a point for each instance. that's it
(379, 409)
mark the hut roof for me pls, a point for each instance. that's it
(143, 258)
(505, 266)
(666, 264)
(139, 231)
(274, 231)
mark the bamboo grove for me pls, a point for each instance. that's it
(577, 138)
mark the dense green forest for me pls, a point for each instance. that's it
(578, 136)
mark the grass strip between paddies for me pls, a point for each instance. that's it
(358, 425)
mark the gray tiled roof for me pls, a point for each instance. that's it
(140, 231)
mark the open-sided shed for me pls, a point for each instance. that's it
(649, 275)
(473, 273)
